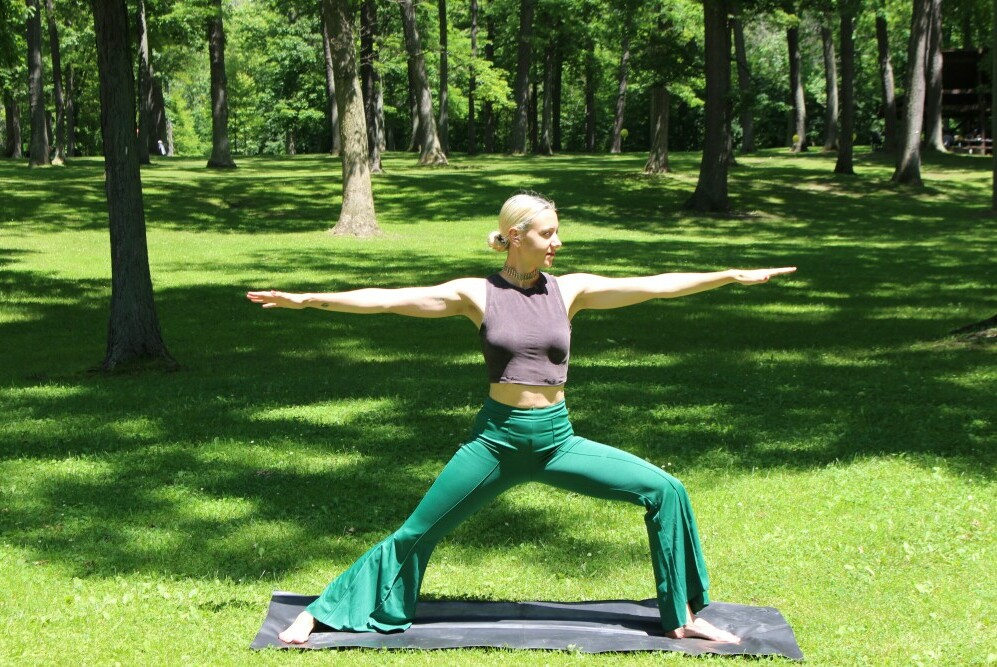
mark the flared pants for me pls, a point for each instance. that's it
(511, 446)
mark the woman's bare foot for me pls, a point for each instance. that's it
(698, 628)
(297, 632)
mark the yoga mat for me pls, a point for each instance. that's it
(587, 627)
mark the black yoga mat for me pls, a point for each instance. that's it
(588, 627)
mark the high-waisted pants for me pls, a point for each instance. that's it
(511, 446)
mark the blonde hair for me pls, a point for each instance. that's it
(517, 212)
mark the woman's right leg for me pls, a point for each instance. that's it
(380, 590)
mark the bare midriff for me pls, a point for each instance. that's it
(526, 395)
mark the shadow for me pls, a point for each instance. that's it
(297, 437)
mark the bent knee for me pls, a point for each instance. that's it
(669, 492)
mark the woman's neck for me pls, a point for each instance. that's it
(518, 277)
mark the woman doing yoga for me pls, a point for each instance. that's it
(522, 433)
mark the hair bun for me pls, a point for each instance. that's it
(497, 242)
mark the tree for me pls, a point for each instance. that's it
(711, 189)
(12, 121)
(221, 156)
(60, 107)
(830, 85)
(799, 125)
(657, 157)
(133, 329)
(370, 84)
(356, 217)
(890, 130)
(544, 144)
(844, 163)
(746, 96)
(524, 47)
(933, 124)
(488, 108)
(144, 85)
(993, 105)
(616, 145)
(444, 75)
(38, 155)
(472, 83)
(330, 84)
(908, 169)
(431, 153)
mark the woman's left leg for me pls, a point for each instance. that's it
(598, 470)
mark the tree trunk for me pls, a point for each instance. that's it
(830, 86)
(729, 100)
(69, 109)
(845, 142)
(521, 89)
(60, 104)
(534, 130)
(993, 116)
(657, 158)
(161, 125)
(799, 138)
(370, 84)
(556, 90)
(12, 118)
(144, 84)
(38, 150)
(488, 110)
(908, 169)
(415, 137)
(332, 109)
(544, 144)
(933, 123)
(431, 152)
(133, 329)
(444, 76)
(890, 130)
(711, 190)
(472, 83)
(591, 68)
(616, 145)
(356, 218)
(744, 87)
(221, 156)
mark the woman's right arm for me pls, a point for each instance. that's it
(464, 296)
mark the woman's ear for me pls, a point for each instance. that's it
(514, 236)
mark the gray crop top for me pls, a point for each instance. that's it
(525, 333)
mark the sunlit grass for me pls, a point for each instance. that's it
(837, 444)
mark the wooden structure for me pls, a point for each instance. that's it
(966, 100)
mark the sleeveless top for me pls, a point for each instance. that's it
(525, 332)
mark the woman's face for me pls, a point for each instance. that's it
(540, 242)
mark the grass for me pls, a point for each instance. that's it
(837, 444)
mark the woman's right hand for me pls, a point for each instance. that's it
(275, 299)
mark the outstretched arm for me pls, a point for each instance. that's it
(583, 290)
(457, 297)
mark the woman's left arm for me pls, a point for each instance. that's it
(584, 290)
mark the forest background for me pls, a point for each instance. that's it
(604, 58)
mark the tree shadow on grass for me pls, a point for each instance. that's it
(192, 473)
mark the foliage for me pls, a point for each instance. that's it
(277, 96)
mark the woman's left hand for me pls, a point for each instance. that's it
(755, 276)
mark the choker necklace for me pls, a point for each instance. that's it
(518, 276)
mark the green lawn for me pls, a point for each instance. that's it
(838, 445)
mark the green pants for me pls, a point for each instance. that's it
(511, 446)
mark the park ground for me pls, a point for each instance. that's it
(837, 442)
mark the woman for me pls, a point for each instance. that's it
(522, 433)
